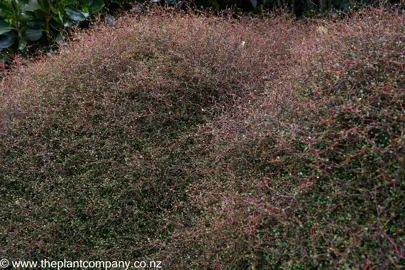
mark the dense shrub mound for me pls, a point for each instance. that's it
(208, 142)
(313, 174)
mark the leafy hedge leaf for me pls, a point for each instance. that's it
(6, 41)
(67, 24)
(25, 16)
(22, 44)
(32, 34)
(4, 12)
(5, 27)
(36, 24)
(75, 14)
(95, 5)
(33, 5)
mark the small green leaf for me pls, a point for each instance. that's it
(95, 5)
(32, 34)
(25, 16)
(75, 14)
(22, 44)
(33, 5)
(60, 17)
(5, 5)
(67, 24)
(36, 24)
(5, 27)
(6, 41)
(5, 12)
(24, 4)
(54, 9)
(15, 4)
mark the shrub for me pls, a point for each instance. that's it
(41, 23)
(311, 175)
(210, 142)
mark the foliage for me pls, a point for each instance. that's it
(41, 21)
(210, 143)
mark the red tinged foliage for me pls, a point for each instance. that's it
(209, 142)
